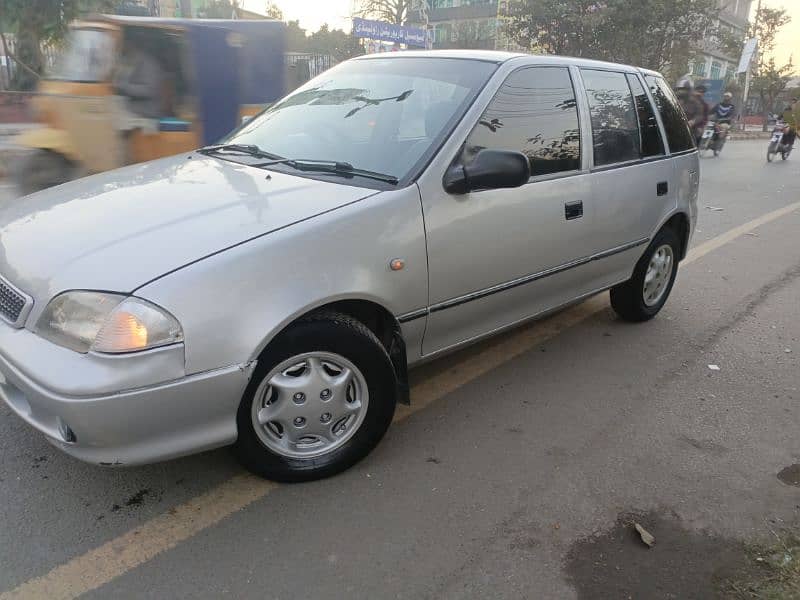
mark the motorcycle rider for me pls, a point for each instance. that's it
(724, 111)
(791, 116)
(700, 92)
(692, 106)
(722, 114)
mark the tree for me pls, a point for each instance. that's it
(469, 34)
(554, 26)
(36, 22)
(273, 11)
(769, 79)
(334, 42)
(663, 35)
(614, 29)
(219, 9)
(391, 11)
(186, 9)
(296, 38)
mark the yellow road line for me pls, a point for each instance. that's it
(118, 556)
(101, 565)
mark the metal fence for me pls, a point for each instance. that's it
(316, 63)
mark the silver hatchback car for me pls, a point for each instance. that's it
(272, 291)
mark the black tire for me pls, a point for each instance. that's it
(772, 149)
(42, 169)
(627, 299)
(324, 331)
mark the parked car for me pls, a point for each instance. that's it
(272, 291)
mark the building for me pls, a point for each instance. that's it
(476, 24)
(457, 23)
(711, 62)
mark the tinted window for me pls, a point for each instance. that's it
(615, 131)
(535, 113)
(677, 129)
(648, 125)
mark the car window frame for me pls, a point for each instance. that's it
(667, 145)
(656, 114)
(582, 168)
(624, 72)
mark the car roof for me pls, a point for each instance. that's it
(496, 56)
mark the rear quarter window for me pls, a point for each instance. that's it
(615, 130)
(679, 136)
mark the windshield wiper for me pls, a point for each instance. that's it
(249, 149)
(330, 166)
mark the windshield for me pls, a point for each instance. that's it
(382, 115)
(87, 57)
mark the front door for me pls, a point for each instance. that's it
(500, 256)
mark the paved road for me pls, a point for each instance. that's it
(515, 453)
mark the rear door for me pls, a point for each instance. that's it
(632, 183)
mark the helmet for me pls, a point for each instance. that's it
(727, 95)
(685, 83)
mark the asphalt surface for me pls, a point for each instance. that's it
(491, 487)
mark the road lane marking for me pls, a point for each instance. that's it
(114, 558)
(101, 565)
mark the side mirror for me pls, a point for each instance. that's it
(490, 169)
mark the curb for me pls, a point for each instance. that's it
(750, 135)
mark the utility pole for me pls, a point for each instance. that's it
(748, 73)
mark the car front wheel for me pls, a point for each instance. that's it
(322, 396)
(643, 295)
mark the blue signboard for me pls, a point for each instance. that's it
(378, 30)
(714, 89)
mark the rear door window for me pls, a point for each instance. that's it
(615, 129)
(676, 127)
(535, 113)
(651, 143)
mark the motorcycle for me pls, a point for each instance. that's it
(714, 136)
(776, 143)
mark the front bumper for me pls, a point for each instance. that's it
(140, 423)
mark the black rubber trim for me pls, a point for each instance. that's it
(413, 315)
(535, 276)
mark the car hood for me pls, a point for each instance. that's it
(118, 230)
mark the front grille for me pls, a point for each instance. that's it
(12, 302)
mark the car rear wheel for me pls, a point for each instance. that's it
(643, 295)
(322, 396)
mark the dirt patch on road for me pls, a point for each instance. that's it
(790, 475)
(682, 564)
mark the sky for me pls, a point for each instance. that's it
(313, 13)
(788, 42)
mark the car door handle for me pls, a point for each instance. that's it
(573, 210)
(662, 187)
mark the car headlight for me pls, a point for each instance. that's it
(111, 323)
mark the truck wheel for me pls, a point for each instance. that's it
(643, 295)
(42, 169)
(322, 396)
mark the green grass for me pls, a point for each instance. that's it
(775, 573)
